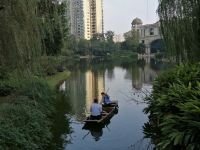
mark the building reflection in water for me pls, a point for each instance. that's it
(63, 86)
(141, 75)
(82, 89)
(95, 84)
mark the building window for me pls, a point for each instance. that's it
(151, 31)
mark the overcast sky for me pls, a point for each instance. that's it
(118, 14)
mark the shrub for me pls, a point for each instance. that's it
(26, 122)
(23, 125)
(174, 107)
(5, 89)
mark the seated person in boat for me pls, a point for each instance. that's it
(96, 110)
(106, 99)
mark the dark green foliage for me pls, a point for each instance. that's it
(109, 36)
(180, 26)
(23, 126)
(53, 26)
(3, 73)
(159, 56)
(5, 89)
(39, 91)
(20, 40)
(29, 29)
(83, 46)
(174, 108)
(51, 64)
(131, 41)
(141, 48)
(25, 123)
(97, 46)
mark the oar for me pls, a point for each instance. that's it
(107, 90)
(107, 128)
(85, 135)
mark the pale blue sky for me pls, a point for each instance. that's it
(118, 14)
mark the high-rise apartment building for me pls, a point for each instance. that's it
(86, 17)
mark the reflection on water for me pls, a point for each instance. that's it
(82, 88)
(62, 86)
(95, 84)
(61, 122)
(95, 131)
(141, 75)
(124, 82)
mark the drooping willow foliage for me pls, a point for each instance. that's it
(28, 29)
(180, 25)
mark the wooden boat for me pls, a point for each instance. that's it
(108, 112)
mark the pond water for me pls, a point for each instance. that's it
(128, 83)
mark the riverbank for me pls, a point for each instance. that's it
(54, 80)
(114, 55)
(123, 55)
(27, 110)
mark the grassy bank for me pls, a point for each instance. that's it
(26, 119)
(27, 110)
(56, 79)
(50, 65)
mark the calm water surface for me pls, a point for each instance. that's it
(126, 83)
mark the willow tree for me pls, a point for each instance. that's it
(54, 25)
(180, 25)
(28, 29)
(20, 40)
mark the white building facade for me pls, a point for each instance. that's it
(86, 17)
(148, 33)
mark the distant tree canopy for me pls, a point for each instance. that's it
(180, 25)
(141, 48)
(131, 41)
(109, 36)
(99, 45)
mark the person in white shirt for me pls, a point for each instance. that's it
(96, 110)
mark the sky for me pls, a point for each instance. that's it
(118, 14)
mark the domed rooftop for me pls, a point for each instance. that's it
(137, 21)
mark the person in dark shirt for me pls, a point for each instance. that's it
(106, 99)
